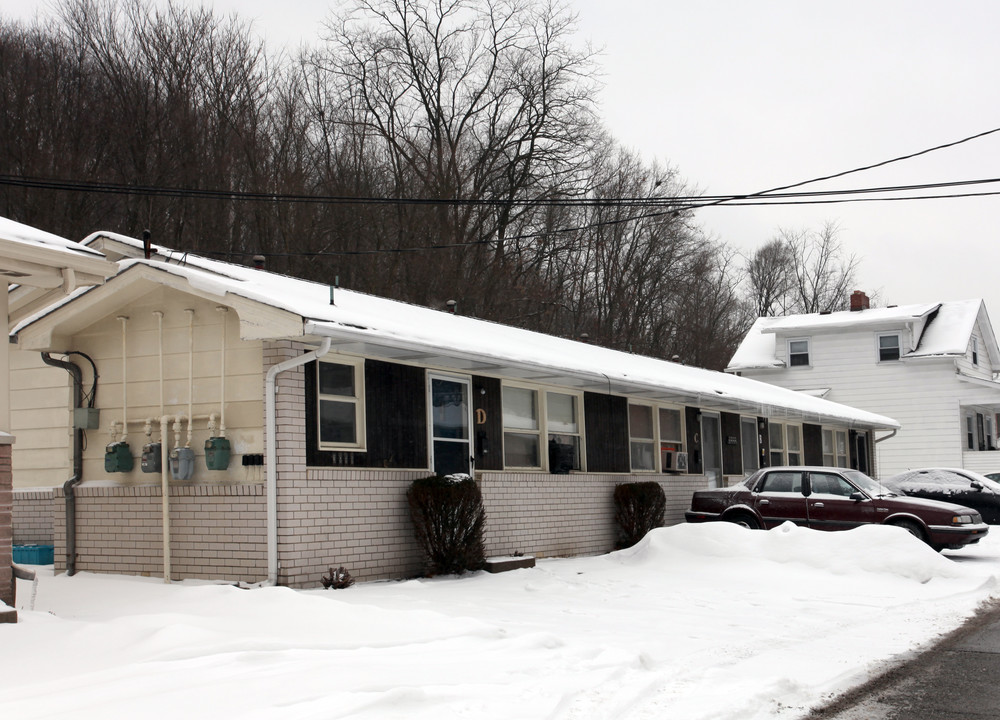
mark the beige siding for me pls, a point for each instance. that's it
(40, 421)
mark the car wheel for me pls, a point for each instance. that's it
(912, 528)
(744, 520)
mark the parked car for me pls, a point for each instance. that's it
(828, 498)
(994, 476)
(956, 485)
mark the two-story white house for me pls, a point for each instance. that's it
(933, 367)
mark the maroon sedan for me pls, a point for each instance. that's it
(827, 498)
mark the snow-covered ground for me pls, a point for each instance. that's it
(695, 622)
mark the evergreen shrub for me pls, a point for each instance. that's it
(449, 522)
(639, 507)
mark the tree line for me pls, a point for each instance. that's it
(457, 144)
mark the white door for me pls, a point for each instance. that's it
(450, 423)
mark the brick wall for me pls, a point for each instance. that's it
(6, 523)
(217, 532)
(33, 516)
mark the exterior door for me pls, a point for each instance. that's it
(750, 445)
(830, 504)
(862, 450)
(450, 423)
(711, 446)
(778, 498)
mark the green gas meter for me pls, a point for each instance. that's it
(217, 453)
(118, 457)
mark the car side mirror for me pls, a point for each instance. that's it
(858, 496)
(976, 485)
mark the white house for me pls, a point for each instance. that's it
(249, 426)
(933, 367)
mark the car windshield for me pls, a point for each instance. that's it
(870, 486)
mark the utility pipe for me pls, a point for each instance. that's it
(222, 392)
(124, 321)
(271, 446)
(69, 487)
(164, 457)
(190, 314)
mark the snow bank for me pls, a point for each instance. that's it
(696, 621)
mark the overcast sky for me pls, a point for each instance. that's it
(740, 97)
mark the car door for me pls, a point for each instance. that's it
(953, 487)
(831, 507)
(778, 498)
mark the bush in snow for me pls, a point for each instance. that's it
(338, 579)
(639, 507)
(449, 521)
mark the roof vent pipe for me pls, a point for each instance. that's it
(147, 247)
(258, 262)
(452, 306)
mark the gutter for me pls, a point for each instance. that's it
(69, 486)
(271, 443)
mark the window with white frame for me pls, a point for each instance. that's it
(843, 456)
(829, 456)
(989, 433)
(970, 433)
(975, 350)
(793, 436)
(642, 439)
(671, 431)
(888, 347)
(340, 393)
(798, 353)
(521, 428)
(562, 421)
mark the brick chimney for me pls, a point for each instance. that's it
(859, 301)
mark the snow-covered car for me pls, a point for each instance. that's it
(956, 485)
(829, 498)
(993, 476)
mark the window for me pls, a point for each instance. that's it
(970, 435)
(843, 459)
(989, 433)
(975, 351)
(829, 458)
(671, 438)
(776, 444)
(521, 436)
(888, 347)
(563, 425)
(341, 411)
(794, 437)
(798, 353)
(641, 438)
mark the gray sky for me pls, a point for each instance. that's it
(740, 97)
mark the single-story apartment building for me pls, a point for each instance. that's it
(232, 423)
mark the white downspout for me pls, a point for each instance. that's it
(271, 441)
(124, 322)
(222, 374)
(164, 457)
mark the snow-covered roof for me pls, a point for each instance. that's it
(944, 329)
(365, 324)
(19, 233)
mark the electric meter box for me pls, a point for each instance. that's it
(86, 418)
(182, 463)
(217, 452)
(152, 459)
(118, 458)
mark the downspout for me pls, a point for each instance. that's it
(164, 458)
(69, 486)
(271, 442)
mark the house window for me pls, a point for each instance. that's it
(341, 411)
(521, 434)
(562, 420)
(776, 444)
(970, 433)
(798, 353)
(641, 437)
(671, 438)
(888, 347)
(989, 433)
(843, 459)
(975, 351)
(829, 457)
(794, 444)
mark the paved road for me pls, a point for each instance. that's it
(957, 679)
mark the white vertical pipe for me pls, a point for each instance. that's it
(190, 313)
(124, 321)
(165, 485)
(222, 412)
(271, 451)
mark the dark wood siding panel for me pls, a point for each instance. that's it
(606, 421)
(395, 419)
(396, 415)
(692, 421)
(812, 444)
(487, 403)
(732, 455)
